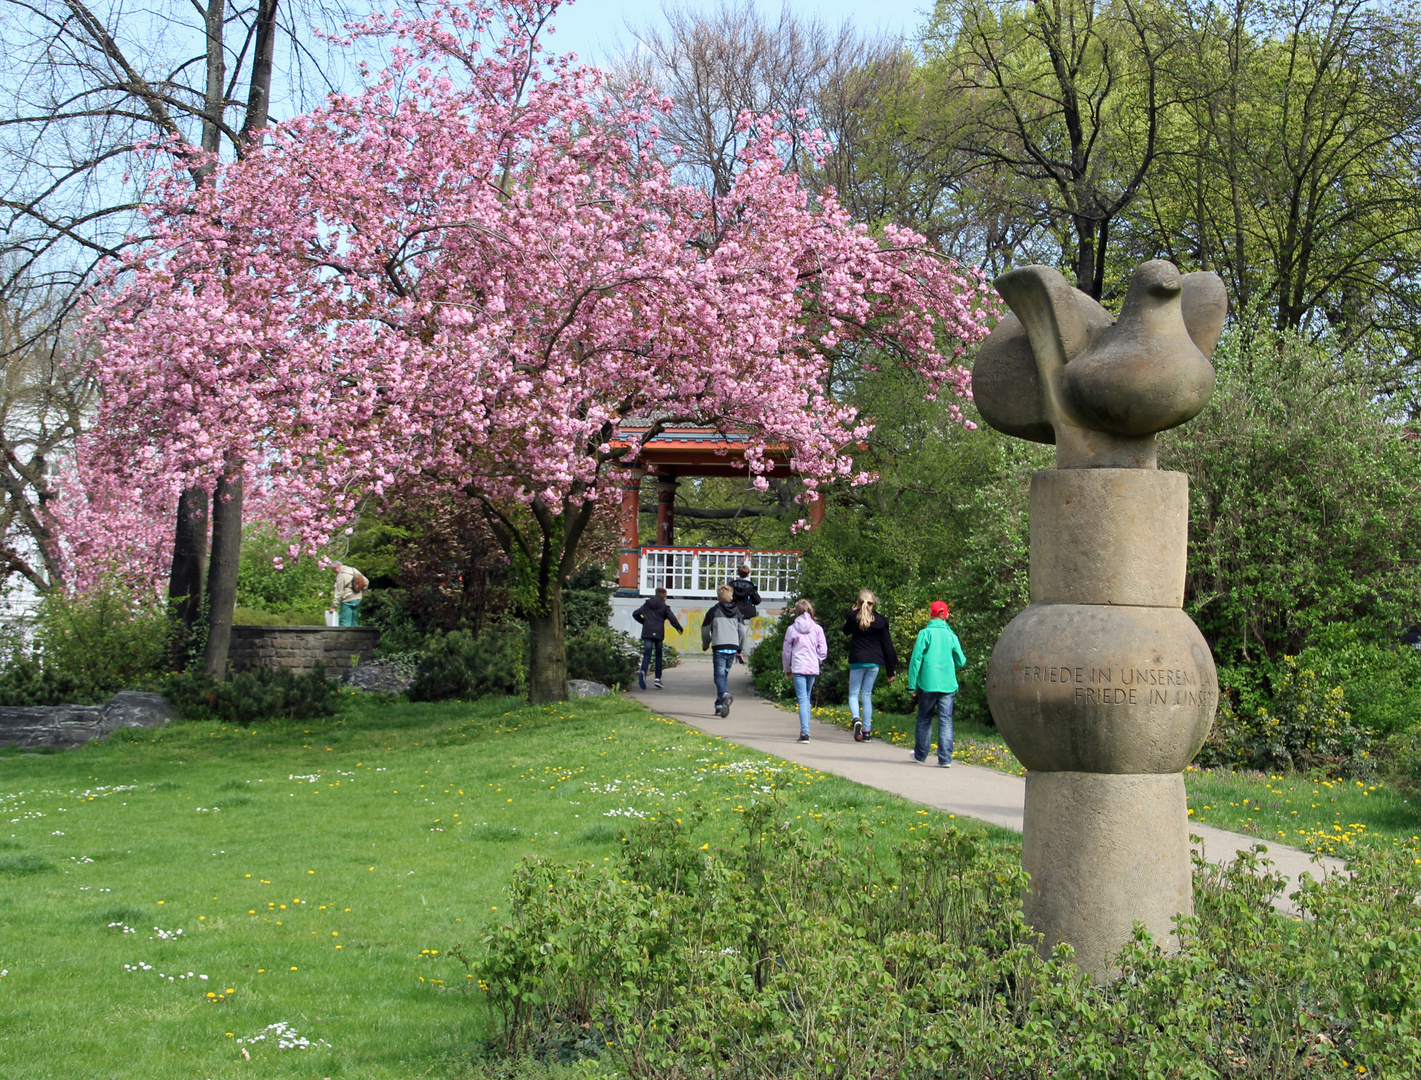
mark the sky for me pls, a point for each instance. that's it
(597, 29)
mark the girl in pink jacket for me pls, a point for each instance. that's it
(804, 650)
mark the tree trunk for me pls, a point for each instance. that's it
(259, 92)
(222, 573)
(185, 580)
(547, 668)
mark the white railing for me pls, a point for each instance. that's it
(689, 571)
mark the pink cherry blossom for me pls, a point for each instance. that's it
(468, 276)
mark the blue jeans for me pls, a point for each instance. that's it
(350, 613)
(721, 663)
(861, 682)
(929, 703)
(803, 687)
(649, 645)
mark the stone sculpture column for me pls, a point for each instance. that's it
(1103, 687)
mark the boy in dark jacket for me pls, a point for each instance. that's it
(747, 597)
(653, 616)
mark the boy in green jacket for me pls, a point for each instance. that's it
(932, 680)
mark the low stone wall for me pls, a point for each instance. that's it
(300, 648)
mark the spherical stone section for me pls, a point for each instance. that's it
(1095, 688)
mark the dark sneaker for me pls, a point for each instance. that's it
(658, 684)
(858, 730)
(641, 679)
(802, 738)
(720, 711)
(725, 704)
(868, 736)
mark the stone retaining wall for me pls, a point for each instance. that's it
(300, 648)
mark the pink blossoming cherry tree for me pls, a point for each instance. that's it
(464, 279)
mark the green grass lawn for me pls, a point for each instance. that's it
(167, 898)
(1332, 817)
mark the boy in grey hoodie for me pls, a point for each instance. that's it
(724, 633)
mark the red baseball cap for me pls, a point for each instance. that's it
(937, 610)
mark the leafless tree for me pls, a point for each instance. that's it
(1062, 101)
(43, 397)
(719, 61)
(88, 83)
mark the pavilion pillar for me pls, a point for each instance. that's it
(666, 511)
(816, 512)
(629, 571)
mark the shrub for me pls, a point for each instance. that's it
(791, 954)
(585, 609)
(464, 665)
(1403, 758)
(1305, 727)
(252, 696)
(765, 662)
(603, 655)
(1381, 677)
(25, 682)
(88, 645)
(296, 592)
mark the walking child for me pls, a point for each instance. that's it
(747, 597)
(653, 616)
(724, 632)
(932, 680)
(870, 649)
(804, 650)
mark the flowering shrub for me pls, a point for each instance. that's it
(1307, 727)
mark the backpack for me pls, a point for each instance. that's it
(743, 589)
(358, 582)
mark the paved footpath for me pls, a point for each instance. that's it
(968, 790)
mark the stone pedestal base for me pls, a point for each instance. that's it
(1104, 852)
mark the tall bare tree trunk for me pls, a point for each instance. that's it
(222, 571)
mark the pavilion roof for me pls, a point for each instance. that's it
(695, 450)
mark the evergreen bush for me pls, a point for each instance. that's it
(253, 696)
(26, 682)
(459, 664)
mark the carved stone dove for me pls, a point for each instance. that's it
(1060, 370)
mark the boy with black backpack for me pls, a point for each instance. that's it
(747, 597)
